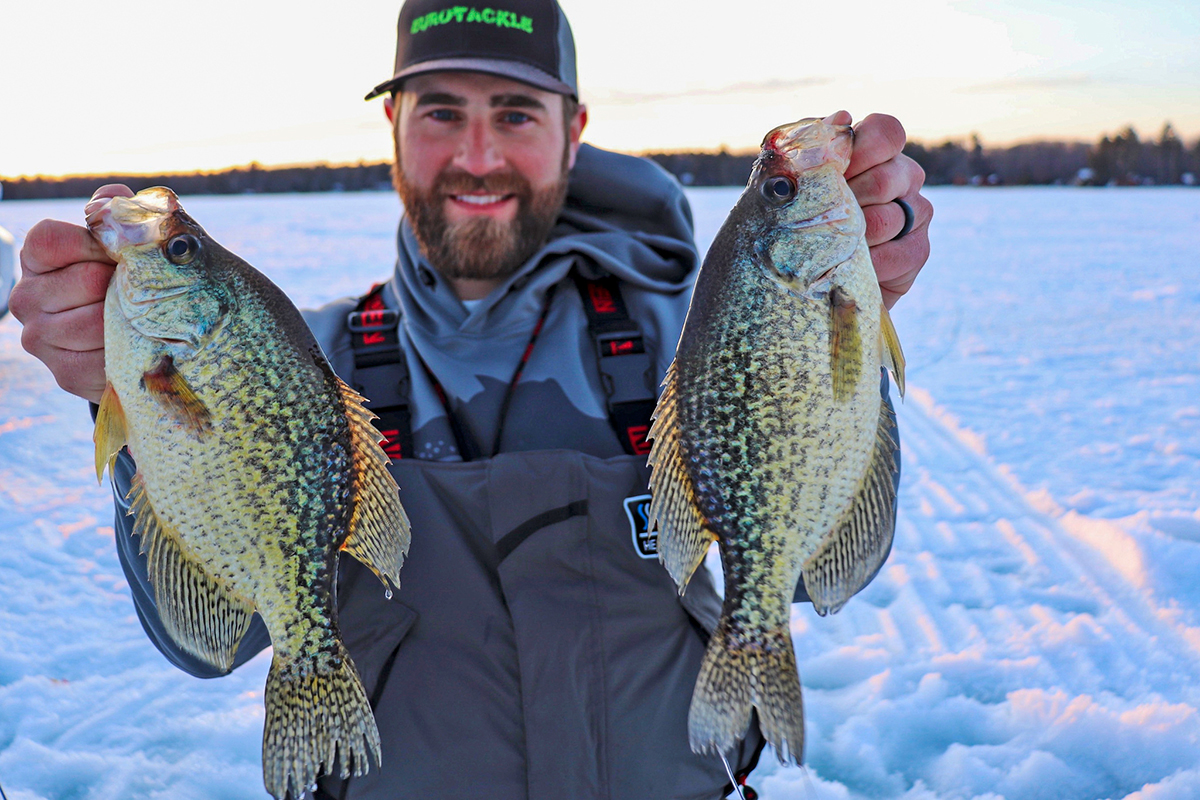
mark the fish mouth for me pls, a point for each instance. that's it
(166, 293)
(122, 222)
(809, 143)
(830, 217)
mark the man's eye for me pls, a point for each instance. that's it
(443, 115)
(515, 118)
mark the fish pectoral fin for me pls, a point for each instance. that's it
(317, 714)
(171, 389)
(846, 351)
(111, 433)
(201, 614)
(854, 551)
(379, 534)
(893, 356)
(683, 535)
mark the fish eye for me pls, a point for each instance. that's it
(181, 249)
(779, 189)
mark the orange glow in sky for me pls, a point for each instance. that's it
(139, 87)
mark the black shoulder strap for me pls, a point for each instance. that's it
(381, 371)
(626, 369)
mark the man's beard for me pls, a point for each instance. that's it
(484, 248)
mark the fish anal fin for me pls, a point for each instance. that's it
(171, 389)
(853, 552)
(379, 530)
(892, 354)
(846, 351)
(110, 434)
(683, 536)
(201, 613)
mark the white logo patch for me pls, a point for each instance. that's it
(645, 541)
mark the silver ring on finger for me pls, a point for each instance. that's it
(909, 219)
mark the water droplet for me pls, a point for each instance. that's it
(387, 593)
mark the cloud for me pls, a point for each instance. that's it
(1049, 82)
(614, 98)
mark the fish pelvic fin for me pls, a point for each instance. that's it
(318, 717)
(379, 529)
(201, 613)
(854, 551)
(683, 537)
(176, 395)
(739, 674)
(893, 356)
(111, 433)
(846, 351)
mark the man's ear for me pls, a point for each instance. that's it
(389, 107)
(574, 132)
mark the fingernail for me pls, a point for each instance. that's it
(95, 204)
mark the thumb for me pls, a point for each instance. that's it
(838, 118)
(106, 192)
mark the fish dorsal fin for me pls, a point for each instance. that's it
(110, 434)
(851, 553)
(201, 613)
(683, 538)
(379, 531)
(893, 356)
(846, 351)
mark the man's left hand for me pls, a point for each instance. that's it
(878, 174)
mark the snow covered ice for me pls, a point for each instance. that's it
(1034, 634)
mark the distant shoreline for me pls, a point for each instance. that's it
(1123, 160)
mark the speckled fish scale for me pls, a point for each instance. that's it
(256, 467)
(771, 436)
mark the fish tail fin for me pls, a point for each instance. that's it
(738, 675)
(317, 716)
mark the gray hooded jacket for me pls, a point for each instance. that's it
(534, 649)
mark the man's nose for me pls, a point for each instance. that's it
(478, 151)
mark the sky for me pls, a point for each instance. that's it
(88, 87)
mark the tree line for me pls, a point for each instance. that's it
(1120, 160)
(252, 179)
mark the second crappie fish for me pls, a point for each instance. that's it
(256, 466)
(771, 436)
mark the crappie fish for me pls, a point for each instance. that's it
(771, 436)
(256, 466)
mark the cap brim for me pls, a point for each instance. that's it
(516, 70)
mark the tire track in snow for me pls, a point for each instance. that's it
(1072, 565)
(995, 652)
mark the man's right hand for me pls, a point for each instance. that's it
(60, 301)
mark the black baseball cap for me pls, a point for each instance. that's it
(526, 40)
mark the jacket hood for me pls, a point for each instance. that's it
(623, 215)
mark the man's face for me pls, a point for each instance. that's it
(481, 166)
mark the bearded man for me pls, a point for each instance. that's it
(536, 648)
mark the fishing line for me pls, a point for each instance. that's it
(732, 779)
